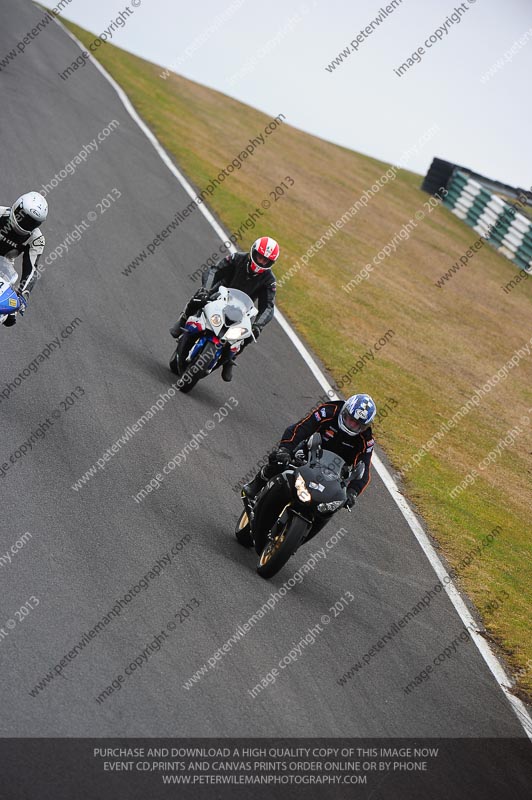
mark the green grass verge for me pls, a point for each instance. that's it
(446, 342)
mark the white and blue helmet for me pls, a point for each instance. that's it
(357, 414)
(28, 212)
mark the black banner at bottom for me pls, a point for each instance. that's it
(380, 769)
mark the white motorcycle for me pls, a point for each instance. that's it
(213, 335)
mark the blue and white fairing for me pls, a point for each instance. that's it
(10, 301)
(227, 319)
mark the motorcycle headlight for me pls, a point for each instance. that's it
(302, 491)
(216, 320)
(332, 506)
(235, 332)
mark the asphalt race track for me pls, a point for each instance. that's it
(89, 547)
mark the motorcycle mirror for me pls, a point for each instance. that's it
(359, 471)
(314, 446)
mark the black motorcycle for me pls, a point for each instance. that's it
(295, 505)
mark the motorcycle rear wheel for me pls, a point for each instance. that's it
(277, 551)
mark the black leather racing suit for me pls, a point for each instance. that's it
(324, 420)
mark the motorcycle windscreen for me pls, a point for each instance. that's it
(332, 465)
(7, 270)
(238, 305)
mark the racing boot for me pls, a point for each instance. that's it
(227, 370)
(250, 490)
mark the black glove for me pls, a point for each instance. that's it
(197, 301)
(351, 498)
(280, 456)
(25, 295)
(300, 456)
(256, 331)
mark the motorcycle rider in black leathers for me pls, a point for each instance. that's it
(345, 428)
(20, 235)
(251, 273)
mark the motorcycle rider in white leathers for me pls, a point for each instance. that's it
(20, 235)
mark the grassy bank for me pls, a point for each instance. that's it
(446, 342)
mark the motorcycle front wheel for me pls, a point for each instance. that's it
(173, 362)
(177, 361)
(279, 549)
(243, 531)
(193, 373)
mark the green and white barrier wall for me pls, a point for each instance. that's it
(497, 221)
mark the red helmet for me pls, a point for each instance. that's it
(264, 253)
